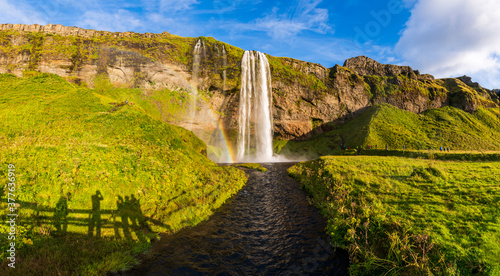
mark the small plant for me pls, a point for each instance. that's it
(429, 174)
(254, 166)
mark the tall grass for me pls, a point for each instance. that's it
(399, 216)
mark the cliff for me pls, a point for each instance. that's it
(308, 98)
(318, 98)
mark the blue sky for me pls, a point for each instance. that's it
(446, 38)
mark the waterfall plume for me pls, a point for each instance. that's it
(255, 138)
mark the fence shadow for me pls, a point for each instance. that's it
(125, 220)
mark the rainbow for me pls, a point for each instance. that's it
(229, 154)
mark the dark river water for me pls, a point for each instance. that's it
(268, 228)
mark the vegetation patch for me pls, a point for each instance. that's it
(385, 125)
(399, 216)
(254, 166)
(282, 71)
(429, 173)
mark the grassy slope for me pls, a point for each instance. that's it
(409, 217)
(384, 124)
(61, 139)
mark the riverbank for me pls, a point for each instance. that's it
(404, 216)
(96, 178)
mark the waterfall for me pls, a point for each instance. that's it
(255, 109)
(198, 53)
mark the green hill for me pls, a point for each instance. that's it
(383, 124)
(97, 177)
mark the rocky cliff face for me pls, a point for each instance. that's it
(365, 66)
(66, 31)
(338, 94)
(307, 97)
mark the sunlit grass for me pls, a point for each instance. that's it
(385, 125)
(254, 166)
(409, 216)
(65, 139)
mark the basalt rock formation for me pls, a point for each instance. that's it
(307, 97)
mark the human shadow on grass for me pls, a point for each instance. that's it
(128, 216)
(95, 215)
(132, 218)
(61, 215)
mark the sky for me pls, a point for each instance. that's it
(445, 38)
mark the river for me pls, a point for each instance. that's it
(268, 228)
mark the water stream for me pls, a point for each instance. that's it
(268, 228)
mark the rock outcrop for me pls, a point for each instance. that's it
(307, 98)
(66, 31)
(365, 66)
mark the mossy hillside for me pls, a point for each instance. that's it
(282, 71)
(351, 134)
(165, 104)
(312, 148)
(382, 125)
(383, 86)
(399, 216)
(68, 139)
(134, 50)
(462, 95)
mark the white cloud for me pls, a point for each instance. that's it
(305, 16)
(454, 37)
(120, 21)
(170, 6)
(19, 13)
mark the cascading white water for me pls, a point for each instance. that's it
(255, 109)
(198, 53)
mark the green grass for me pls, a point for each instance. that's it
(400, 216)
(166, 105)
(254, 166)
(153, 176)
(382, 125)
(319, 145)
